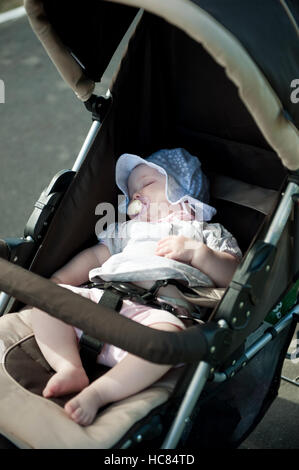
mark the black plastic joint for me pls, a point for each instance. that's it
(296, 317)
(273, 332)
(19, 250)
(98, 106)
(293, 176)
(218, 340)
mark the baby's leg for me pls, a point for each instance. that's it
(126, 378)
(58, 343)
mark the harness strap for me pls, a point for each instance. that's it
(90, 348)
(114, 293)
(111, 299)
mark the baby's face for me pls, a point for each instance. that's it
(148, 184)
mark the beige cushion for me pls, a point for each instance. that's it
(31, 421)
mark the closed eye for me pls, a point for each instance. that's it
(143, 185)
(148, 183)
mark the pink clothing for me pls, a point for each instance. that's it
(180, 215)
(111, 355)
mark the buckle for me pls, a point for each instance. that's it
(168, 307)
(139, 294)
(133, 292)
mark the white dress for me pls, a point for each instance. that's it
(132, 245)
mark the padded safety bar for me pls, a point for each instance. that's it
(190, 345)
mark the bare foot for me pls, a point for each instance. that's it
(83, 407)
(72, 379)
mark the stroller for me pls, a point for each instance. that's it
(198, 74)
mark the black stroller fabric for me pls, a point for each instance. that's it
(229, 412)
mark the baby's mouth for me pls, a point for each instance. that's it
(138, 206)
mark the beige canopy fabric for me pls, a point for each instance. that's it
(69, 69)
(254, 89)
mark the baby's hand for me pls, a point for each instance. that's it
(177, 247)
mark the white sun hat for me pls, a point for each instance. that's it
(185, 181)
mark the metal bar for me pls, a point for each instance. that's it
(285, 320)
(293, 382)
(267, 337)
(4, 300)
(86, 145)
(256, 347)
(183, 416)
(282, 214)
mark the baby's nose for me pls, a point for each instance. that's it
(136, 196)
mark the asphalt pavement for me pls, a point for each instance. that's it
(42, 124)
(42, 128)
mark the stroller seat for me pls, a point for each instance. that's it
(23, 375)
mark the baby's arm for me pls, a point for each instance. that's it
(75, 272)
(218, 265)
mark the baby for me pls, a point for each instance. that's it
(167, 236)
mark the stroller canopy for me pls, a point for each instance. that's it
(255, 42)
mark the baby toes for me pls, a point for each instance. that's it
(78, 416)
(82, 417)
(73, 408)
(83, 408)
(77, 413)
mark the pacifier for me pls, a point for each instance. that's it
(137, 206)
